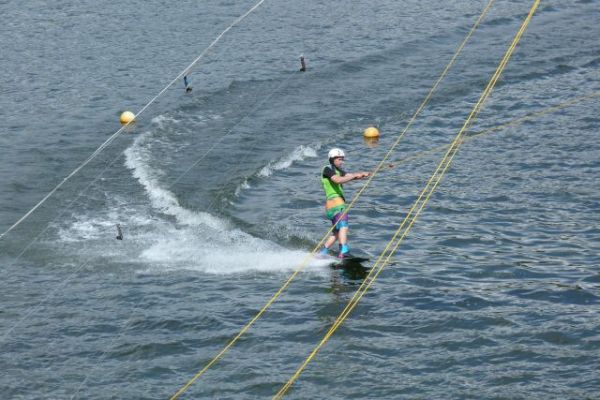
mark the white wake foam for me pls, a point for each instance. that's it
(300, 153)
(161, 120)
(222, 255)
(199, 241)
(138, 158)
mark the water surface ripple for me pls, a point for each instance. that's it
(494, 294)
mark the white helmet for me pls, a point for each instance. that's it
(333, 153)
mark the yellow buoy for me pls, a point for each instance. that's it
(127, 117)
(371, 132)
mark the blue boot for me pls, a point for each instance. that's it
(344, 251)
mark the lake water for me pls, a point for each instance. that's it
(494, 294)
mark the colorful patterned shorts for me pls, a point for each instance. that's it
(339, 220)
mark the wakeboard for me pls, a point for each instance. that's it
(352, 267)
(349, 260)
(352, 263)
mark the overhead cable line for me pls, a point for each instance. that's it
(64, 210)
(252, 111)
(307, 259)
(108, 141)
(33, 309)
(416, 208)
(99, 175)
(513, 122)
(135, 306)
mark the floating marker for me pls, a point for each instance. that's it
(119, 232)
(127, 117)
(188, 88)
(302, 64)
(371, 132)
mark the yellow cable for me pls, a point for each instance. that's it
(419, 204)
(306, 260)
(515, 121)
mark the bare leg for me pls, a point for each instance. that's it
(343, 235)
(330, 241)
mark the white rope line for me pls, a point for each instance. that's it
(210, 206)
(230, 130)
(212, 203)
(254, 109)
(109, 165)
(75, 171)
(118, 132)
(65, 209)
(35, 308)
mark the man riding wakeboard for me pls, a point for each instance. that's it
(332, 179)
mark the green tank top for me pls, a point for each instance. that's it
(331, 188)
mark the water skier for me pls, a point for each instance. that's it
(332, 178)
